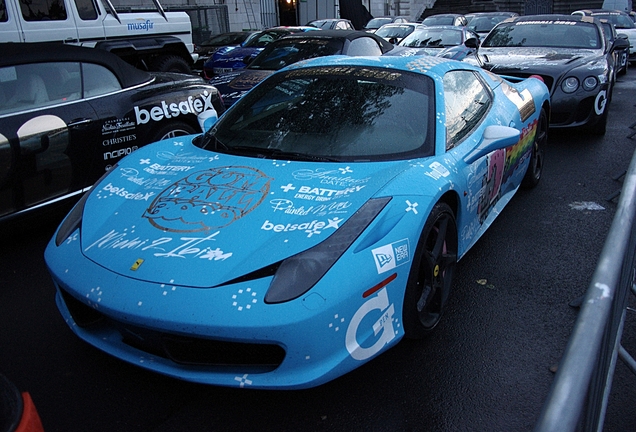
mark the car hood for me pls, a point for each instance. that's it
(172, 213)
(232, 54)
(233, 85)
(549, 61)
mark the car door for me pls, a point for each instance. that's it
(46, 128)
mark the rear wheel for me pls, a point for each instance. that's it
(170, 63)
(172, 130)
(535, 168)
(432, 273)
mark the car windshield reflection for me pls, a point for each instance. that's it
(331, 113)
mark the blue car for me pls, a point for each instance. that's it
(312, 227)
(231, 58)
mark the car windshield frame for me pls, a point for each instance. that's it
(331, 113)
(535, 34)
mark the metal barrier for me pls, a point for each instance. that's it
(579, 393)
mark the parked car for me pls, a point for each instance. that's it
(569, 52)
(208, 47)
(443, 41)
(376, 23)
(394, 33)
(450, 19)
(68, 114)
(621, 56)
(482, 22)
(315, 225)
(293, 48)
(332, 24)
(621, 21)
(228, 59)
(18, 412)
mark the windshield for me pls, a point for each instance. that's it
(395, 31)
(262, 39)
(341, 113)
(556, 34)
(439, 20)
(619, 20)
(286, 52)
(378, 22)
(433, 38)
(226, 39)
(483, 24)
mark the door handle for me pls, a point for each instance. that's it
(79, 122)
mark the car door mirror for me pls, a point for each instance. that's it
(620, 43)
(494, 138)
(207, 119)
(472, 43)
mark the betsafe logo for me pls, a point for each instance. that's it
(192, 105)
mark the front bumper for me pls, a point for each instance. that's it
(579, 109)
(226, 336)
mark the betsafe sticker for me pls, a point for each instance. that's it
(390, 256)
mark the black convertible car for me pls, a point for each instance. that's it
(570, 54)
(68, 114)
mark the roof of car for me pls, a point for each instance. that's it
(15, 53)
(341, 34)
(551, 17)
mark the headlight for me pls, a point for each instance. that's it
(74, 218)
(570, 85)
(299, 273)
(590, 83)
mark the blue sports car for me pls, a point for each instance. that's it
(312, 227)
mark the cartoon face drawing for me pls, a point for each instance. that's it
(222, 195)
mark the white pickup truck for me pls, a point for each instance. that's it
(152, 40)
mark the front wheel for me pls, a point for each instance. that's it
(432, 272)
(535, 167)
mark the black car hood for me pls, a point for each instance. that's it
(541, 61)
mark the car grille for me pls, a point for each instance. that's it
(180, 349)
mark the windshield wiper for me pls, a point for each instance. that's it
(271, 153)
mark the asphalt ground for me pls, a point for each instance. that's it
(486, 368)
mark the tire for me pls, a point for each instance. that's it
(172, 130)
(432, 272)
(535, 167)
(170, 63)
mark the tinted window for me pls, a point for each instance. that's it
(342, 113)
(436, 38)
(43, 10)
(3, 12)
(291, 51)
(467, 101)
(561, 34)
(98, 80)
(25, 87)
(86, 9)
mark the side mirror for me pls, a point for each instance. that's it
(495, 138)
(620, 43)
(248, 59)
(207, 119)
(472, 43)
